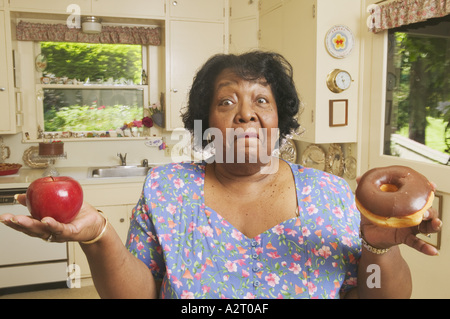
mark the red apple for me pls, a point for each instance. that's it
(59, 197)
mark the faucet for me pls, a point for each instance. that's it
(123, 159)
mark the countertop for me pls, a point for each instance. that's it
(27, 175)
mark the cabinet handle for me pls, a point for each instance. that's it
(122, 220)
(174, 90)
(175, 3)
(2, 89)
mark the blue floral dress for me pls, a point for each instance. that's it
(198, 254)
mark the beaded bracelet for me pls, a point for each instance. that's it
(374, 250)
(101, 233)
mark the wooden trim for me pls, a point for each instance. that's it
(333, 120)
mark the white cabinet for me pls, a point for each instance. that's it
(189, 50)
(212, 10)
(119, 217)
(117, 8)
(7, 98)
(117, 202)
(297, 29)
(130, 8)
(243, 35)
(267, 5)
(49, 6)
(243, 9)
(195, 31)
(243, 25)
(271, 30)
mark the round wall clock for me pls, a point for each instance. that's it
(338, 80)
(339, 41)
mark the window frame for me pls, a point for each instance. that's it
(40, 101)
(372, 116)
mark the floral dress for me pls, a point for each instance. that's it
(197, 254)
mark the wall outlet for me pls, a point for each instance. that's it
(168, 150)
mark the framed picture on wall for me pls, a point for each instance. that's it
(338, 113)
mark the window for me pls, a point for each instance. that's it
(90, 109)
(91, 87)
(418, 92)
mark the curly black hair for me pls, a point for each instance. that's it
(271, 66)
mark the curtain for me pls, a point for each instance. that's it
(393, 14)
(27, 31)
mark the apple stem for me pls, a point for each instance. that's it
(52, 178)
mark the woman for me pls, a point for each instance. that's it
(240, 226)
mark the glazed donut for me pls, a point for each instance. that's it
(394, 196)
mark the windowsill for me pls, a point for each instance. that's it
(91, 139)
(90, 86)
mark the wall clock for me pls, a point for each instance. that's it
(338, 80)
(339, 41)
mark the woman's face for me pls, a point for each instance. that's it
(245, 113)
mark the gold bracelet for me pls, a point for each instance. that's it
(374, 250)
(101, 233)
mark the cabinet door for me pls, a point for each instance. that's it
(267, 5)
(271, 27)
(243, 9)
(118, 216)
(243, 35)
(197, 9)
(5, 107)
(133, 8)
(191, 44)
(50, 6)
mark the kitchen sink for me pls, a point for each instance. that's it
(118, 171)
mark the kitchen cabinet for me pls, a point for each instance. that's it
(117, 202)
(268, 5)
(211, 10)
(133, 8)
(271, 30)
(118, 8)
(49, 6)
(27, 260)
(188, 51)
(243, 26)
(243, 35)
(8, 123)
(243, 9)
(297, 29)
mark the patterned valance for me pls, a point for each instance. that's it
(27, 31)
(396, 13)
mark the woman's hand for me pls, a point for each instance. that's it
(86, 226)
(381, 237)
